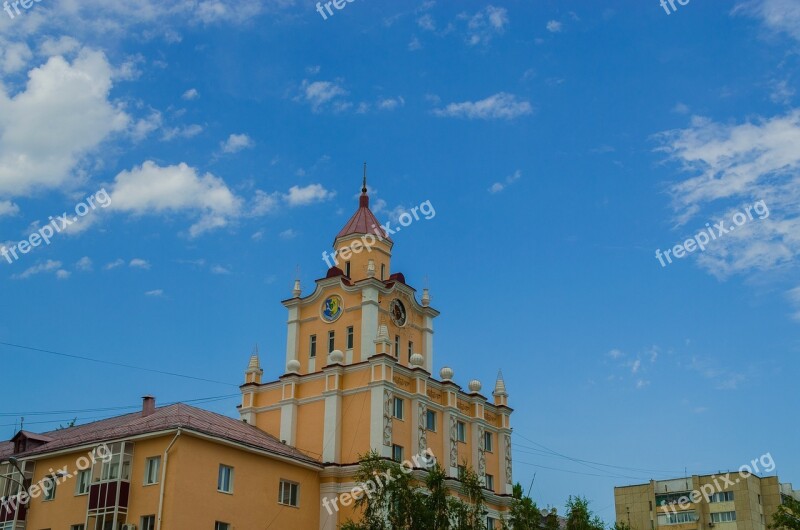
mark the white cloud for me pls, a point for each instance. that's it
(62, 46)
(554, 26)
(288, 234)
(426, 22)
(310, 194)
(781, 92)
(319, 94)
(15, 57)
(777, 15)
(391, 103)
(733, 166)
(191, 94)
(414, 44)
(62, 116)
(486, 24)
(313, 69)
(219, 269)
(61, 274)
(151, 188)
(138, 263)
(257, 236)
(114, 264)
(144, 126)
(155, 293)
(616, 354)
(84, 264)
(8, 208)
(680, 108)
(187, 131)
(264, 203)
(237, 142)
(499, 106)
(497, 187)
(49, 266)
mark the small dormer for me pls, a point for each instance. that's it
(28, 441)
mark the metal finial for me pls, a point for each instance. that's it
(364, 185)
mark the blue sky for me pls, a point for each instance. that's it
(561, 144)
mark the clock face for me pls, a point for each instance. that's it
(398, 312)
(332, 308)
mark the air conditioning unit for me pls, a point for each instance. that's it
(129, 527)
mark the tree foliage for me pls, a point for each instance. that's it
(787, 517)
(405, 503)
(524, 514)
(580, 517)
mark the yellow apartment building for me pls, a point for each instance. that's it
(357, 377)
(738, 503)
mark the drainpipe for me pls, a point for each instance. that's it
(164, 479)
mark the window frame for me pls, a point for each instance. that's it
(461, 431)
(143, 519)
(83, 473)
(398, 403)
(488, 441)
(220, 479)
(147, 470)
(312, 346)
(331, 341)
(428, 415)
(489, 482)
(350, 337)
(400, 449)
(283, 484)
(219, 525)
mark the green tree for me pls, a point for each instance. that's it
(580, 517)
(524, 514)
(620, 526)
(551, 521)
(787, 516)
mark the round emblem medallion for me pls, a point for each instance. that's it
(398, 312)
(332, 308)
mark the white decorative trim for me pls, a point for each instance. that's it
(508, 459)
(387, 418)
(453, 440)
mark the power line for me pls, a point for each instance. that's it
(112, 363)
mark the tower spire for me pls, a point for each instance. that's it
(364, 184)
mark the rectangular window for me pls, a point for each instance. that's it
(331, 341)
(312, 346)
(665, 499)
(48, 488)
(723, 517)
(76, 527)
(398, 408)
(288, 493)
(490, 482)
(350, 338)
(461, 472)
(151, 466)
(676, 518)
(397, 453)
(488, 441)
(397, 346)
(430, 420)
(82, 482)
(347, 268)
(221, 526)
(461, 431)
(225, 479)
(383, 272)
(721, 496)
(148, 522)
(410, 350)
(491, 523)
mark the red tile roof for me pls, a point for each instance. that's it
(164, 418)
(363, 221)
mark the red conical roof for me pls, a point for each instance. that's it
(363, 221)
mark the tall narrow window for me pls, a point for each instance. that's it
(397, 346)
(312, 346)
(383, 272)
(331, 341)
(398, 408)
(488, 442)
(225, 479)
(82, 482)
(410, 350)
(347, 268)
(350, 338)
(151, 466)
(461, 431)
